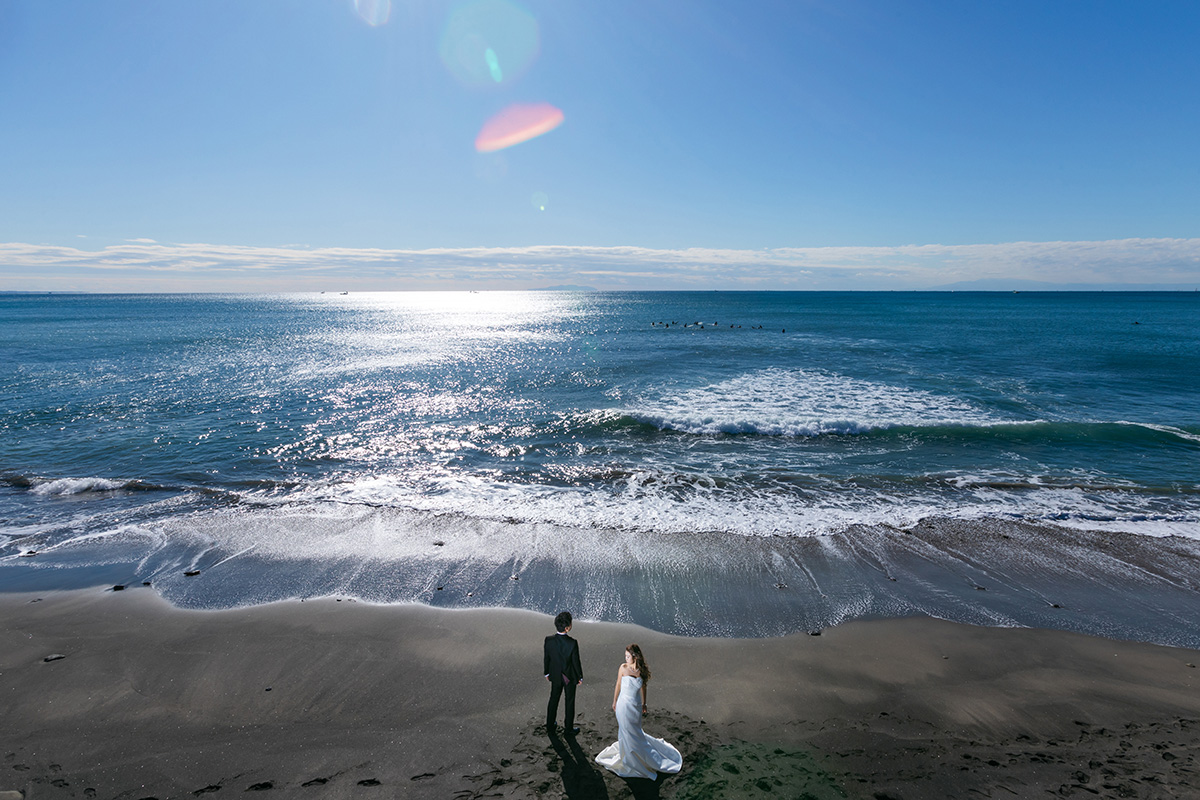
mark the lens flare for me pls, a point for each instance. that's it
(373, 12)
(517, 123)
(493, 65)
(487, 42)
(539, 200)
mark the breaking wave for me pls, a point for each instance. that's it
(803, 403)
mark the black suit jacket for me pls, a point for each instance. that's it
(562, 658)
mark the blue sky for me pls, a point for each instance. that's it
(304, 144)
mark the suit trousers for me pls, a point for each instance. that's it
(557, 689)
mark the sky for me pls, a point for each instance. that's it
(302, 145)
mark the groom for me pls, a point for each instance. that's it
(563, 670)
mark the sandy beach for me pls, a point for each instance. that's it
(119, 695)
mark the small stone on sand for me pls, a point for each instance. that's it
(54, 657)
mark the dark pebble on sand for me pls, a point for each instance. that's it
(29, 554)
(191, 573)
(145, 583)
(980, 589)
(1193, 666)
(439, 588)
(817, 632)
(260, 787)
(119, 588)
(439, 543)
(53, 657)
(267, 689)
(369, 782)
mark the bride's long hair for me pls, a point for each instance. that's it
(639, 661)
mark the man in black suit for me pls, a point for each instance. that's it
(563, 670)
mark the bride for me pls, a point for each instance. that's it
(635, 754)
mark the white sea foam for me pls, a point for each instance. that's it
(777, 402)
(71, 486)
(669, 502)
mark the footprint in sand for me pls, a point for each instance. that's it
(369, 782)
(260, 787)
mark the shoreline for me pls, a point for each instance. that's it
(321, 698)
(1002, 573)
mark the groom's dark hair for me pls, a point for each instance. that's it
(562, 621)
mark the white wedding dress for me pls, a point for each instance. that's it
(635, 754)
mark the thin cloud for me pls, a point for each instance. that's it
(146, 265)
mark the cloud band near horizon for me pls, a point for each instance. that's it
(145, 265)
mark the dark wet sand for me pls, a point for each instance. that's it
(340, 699)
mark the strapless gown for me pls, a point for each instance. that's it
(636, 754)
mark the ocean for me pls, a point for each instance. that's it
(702, 463)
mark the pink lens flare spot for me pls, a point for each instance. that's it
(517, 123)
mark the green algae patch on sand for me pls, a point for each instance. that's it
(752, 770)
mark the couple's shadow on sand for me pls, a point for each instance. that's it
(582, 780)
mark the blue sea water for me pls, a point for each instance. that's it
(703, 463)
